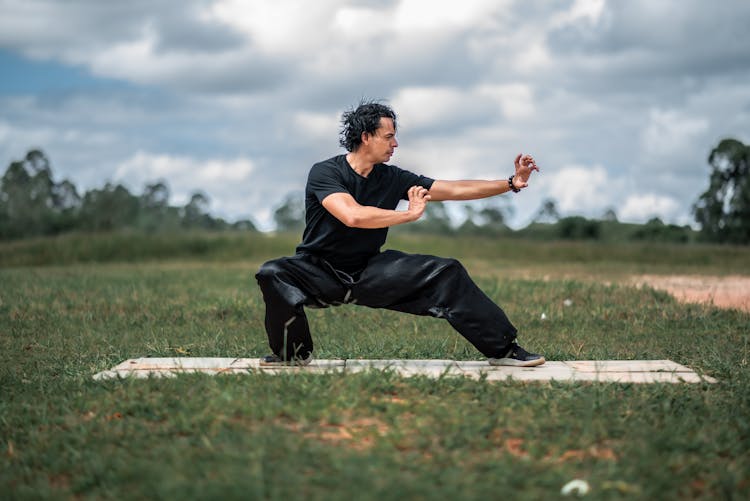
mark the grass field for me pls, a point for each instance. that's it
(76, 305)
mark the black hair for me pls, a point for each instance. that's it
(364, 118)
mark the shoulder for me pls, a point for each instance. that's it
(327, 167)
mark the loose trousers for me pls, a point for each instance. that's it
(411, 283)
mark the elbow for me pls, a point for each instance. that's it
(352, 221)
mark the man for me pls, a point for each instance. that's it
(350, 203)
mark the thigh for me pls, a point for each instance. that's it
(307, 276)
(392, 277)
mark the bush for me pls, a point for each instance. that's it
(579, 228)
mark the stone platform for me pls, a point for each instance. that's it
(616, 371)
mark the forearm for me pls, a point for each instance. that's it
(374, 217)
(467, 190)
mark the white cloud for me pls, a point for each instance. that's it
(185, 175)
(580, 189)
(669, 133)
(316, 126)
(361, 23)
(516, 100)
(534, 56)
(587, 10)
(278, 27)
(642, 207)
(451, 159)
(431, 105)
(437, 16)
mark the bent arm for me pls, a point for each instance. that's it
(467, 190)
(344, 208)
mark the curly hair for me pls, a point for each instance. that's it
(365, 118)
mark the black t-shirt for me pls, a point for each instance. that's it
(349, 249)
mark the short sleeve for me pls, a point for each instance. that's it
(325, 179)
(408, 179)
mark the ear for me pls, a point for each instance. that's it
(366, 137)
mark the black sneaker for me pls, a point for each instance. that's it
(275, 360)
(518, 357)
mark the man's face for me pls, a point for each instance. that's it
(382, 143)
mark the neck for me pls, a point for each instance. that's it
(361, 165)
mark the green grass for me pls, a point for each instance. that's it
(617, 258)
(372, 435)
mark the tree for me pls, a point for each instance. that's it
(195, 212)
(485, 217)
(110, 208)
(547, 213)
(155, 212)
(656, 231)
(579, 228)
(32, 203)
(723, 210)
(27, 201)
(610, 215)
(434, 220)
(290, 215)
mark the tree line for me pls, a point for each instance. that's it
(489, 220)
(32, 203)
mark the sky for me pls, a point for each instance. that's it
(620, 102)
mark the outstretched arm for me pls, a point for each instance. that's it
(476, 189)
(347, 210)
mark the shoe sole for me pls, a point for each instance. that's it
(297, 363)
(511, 362)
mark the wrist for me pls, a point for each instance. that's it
(511, 184)
(412, 215)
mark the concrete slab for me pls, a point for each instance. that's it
(626, 366)
(617, 371)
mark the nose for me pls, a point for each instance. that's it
(394, 143)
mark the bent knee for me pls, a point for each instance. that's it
(270, 269)
(451, 263)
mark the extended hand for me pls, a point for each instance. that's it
(525, 165)
(418, 198)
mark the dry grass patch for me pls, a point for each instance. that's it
(357, 433)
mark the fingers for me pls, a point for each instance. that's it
(418, 192)
(527, 161)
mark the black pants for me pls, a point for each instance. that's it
(411, 283)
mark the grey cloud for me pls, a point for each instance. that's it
(182, 30)
(50, 28)
(653, 39)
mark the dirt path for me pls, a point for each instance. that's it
(725, 292)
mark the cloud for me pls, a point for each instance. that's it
(316, 127)
(606, 95)
(426, 15)
(579, 189)
(669, 133)
(641, 207)
(430, 106)
(515, 100)
(185, 175)
(582, 10)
